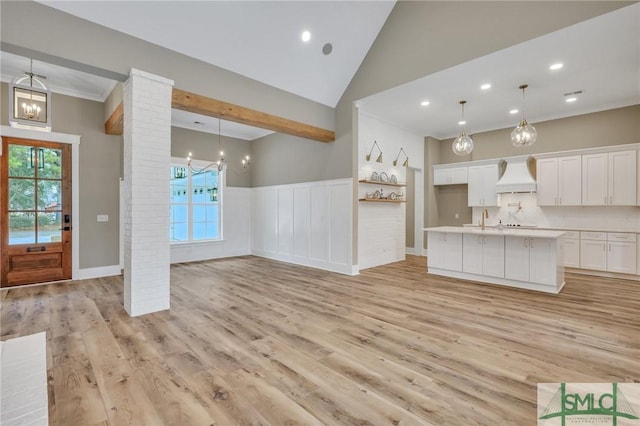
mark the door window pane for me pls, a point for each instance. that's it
(49, 227)
(49, 195)
(50, 163)
(21, 161)
(22, 228)
(22, 194)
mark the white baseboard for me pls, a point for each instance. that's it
(101, 271)
(409, 250)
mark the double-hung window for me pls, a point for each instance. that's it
(195, 201)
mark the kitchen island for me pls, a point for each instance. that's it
(524, 258)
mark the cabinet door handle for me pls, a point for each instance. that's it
(610, 199)
(524, 244)
(605, 199)
(609, 247)
(560, 200)
(604, 247)
(530, 242)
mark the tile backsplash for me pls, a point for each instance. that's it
(626, 218)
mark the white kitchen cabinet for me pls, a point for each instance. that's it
(449, 175)
(622, 178)
(558, 181)
(528, 259)
(609, 179)
(593, 250)
(621, 253)
(483, 255)
(571, 252)
(542, 254)
(482, 185)
(611, 252)
(445, 250)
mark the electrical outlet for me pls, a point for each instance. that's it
(103, 218)
(457, 215)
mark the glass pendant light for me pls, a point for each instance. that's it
(524, 134)
(463, 144)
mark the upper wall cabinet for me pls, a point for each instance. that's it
(482, 185)
(447, 175)
(559, 181)
(610, 179)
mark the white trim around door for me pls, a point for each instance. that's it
(74, 140)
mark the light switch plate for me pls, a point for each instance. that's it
(103, 218)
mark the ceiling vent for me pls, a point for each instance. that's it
(518, 176)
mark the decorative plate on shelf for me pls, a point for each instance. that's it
(393, 196)
(377, 194)
(393, 179)
(384, 177)
(375, 177)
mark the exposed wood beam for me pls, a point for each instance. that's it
(115, 122)
(199, 104)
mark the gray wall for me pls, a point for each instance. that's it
(204, 146)
(99, 175)
(612, 127)
(410, 216)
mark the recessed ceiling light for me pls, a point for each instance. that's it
(556, 66)
(571, 99)
(424, 103)
(485, 86)
(513, 111)
(462, 123)
(306, 36)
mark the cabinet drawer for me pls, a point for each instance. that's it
(572, 235)
(617, 236)
(594, 236)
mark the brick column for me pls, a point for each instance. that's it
(147, 158)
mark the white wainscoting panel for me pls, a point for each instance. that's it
(236, 231)
(305, 223)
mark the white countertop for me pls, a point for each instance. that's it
(566, 228)
(522, 232)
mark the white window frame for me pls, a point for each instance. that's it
(198, 164)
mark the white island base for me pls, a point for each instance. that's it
(529, 259)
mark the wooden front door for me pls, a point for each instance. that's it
(35, 217)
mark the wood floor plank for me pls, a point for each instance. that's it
(77, 397)
(251, 341)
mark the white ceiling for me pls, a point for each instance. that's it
(258, 39)
(601, 57)
(58, 79)
(187, 120)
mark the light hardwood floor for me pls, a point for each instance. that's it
(249, 341)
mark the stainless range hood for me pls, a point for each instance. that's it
(518, 176)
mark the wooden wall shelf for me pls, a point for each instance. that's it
(381, 200)
(373, 182)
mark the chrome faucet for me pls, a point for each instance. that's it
(485, 214)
